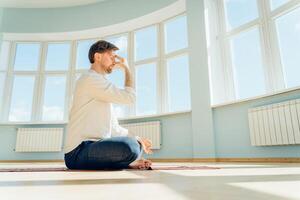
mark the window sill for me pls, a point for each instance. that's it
(155, 115)
(256, 97)
(33, 123)
(66, 122)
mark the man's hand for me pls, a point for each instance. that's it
(146, 144)
(122, 62)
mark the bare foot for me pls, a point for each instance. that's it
(140, 164)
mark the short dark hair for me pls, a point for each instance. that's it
(100, 46)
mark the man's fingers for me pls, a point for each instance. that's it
(120, 58)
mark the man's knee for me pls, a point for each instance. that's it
(132, 147)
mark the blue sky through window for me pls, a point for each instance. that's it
(247, 64)
(27, 57)
(239, 12)
(146, 89)
(22, 97)
(277, 3)
(178, 83)
(58, 57)
(288, 29)
(176, 34)
(54, 98)
(82, 59)
(145, 41)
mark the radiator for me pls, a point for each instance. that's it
(39, 139)
(150, 130)
(275, 124)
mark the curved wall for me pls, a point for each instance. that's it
(21, 20)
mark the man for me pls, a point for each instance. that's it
(95, 140)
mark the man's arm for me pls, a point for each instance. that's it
(128, 76)
(145, 143)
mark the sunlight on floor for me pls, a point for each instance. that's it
(283, 189)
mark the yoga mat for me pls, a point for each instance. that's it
(53, 169)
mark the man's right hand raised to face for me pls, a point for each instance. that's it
(120, 62)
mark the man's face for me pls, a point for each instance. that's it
(107, 61)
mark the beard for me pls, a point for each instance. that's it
(109, 69)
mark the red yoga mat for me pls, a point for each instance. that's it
(154, 167)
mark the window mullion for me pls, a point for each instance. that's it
(273, 65)
(225, 54)
(162, 77)
(71, 79)
(39, 85)
(7, 93)
(130, 50)
(265, 46)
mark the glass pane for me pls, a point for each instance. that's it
(22, 97)
(178, 84)
(145, 43)
(54, 98)
(4, 55)
(239, 12)
(247, 64)
(146, 89)
(277, 3)
(121, 42)
(58, 57)
(82, 56)
(288, 29)
(117, 77)
(176, 34)
(27, 57)
(121, 110)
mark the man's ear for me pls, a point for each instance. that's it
(97, 56)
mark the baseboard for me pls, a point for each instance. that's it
(246, 160)
(228, 160)
(258, 160)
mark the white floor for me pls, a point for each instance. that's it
(232, 181)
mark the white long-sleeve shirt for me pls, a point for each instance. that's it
(92, 115)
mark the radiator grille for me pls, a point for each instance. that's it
(275, 124)
(39, 139)
(150, 130)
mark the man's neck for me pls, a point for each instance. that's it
(97, 68)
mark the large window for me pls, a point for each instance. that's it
(177, 65)
(40, 77)
(259, 42)
(145, 52)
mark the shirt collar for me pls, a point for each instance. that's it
(99, 74)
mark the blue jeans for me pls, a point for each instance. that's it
(109, 153)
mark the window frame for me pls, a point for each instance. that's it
(41, 73)
(271, 59)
